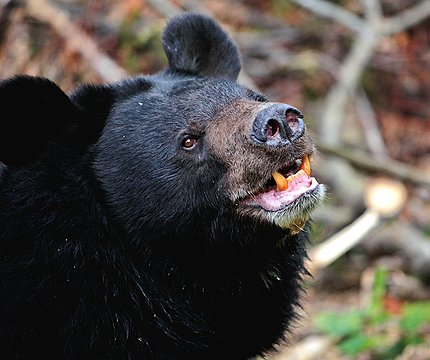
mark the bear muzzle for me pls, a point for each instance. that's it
(267, 153)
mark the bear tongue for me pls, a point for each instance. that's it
(277, 199)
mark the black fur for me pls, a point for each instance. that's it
(35, 111)
(199, 46)
(117, 243)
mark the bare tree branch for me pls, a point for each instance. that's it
(407, 18)
(369, 30)
(369, 122)
(236, 12)
(349, 75)
(7, 7)
(332, 11)
(373, 11)
(370, 34)
(76, 39)
(165, 8)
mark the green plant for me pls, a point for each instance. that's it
(374, 328)
(141, 48)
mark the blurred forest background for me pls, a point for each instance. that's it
(360, 72)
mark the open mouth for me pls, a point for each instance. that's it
(286, 185)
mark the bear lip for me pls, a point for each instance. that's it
(274, 200)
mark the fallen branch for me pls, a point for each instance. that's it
(404, 239)
(390, 168)
(384, 198)
(337, 245)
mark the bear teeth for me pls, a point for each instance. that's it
(283, 182)
(306, 165)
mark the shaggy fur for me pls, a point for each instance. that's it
(117, 241)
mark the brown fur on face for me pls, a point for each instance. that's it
(249, 164)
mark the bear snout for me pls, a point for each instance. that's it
(277, 125)
(254, 140)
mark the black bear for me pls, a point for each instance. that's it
(159, 217)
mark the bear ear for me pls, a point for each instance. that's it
(35, 111)
(196, 44)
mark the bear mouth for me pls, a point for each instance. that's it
(288, 196)
(285, 186)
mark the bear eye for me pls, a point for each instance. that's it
(189, 143)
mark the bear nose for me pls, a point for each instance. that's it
(277, 125)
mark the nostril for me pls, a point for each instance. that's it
(272, 128)
(294, 119)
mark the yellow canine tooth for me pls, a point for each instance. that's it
(281, 181)
(299, 173)
(306, 165)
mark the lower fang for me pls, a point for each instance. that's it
(306, 165)
(281, 181)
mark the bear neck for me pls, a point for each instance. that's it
(227, 249)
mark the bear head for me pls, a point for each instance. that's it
(170, 149)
